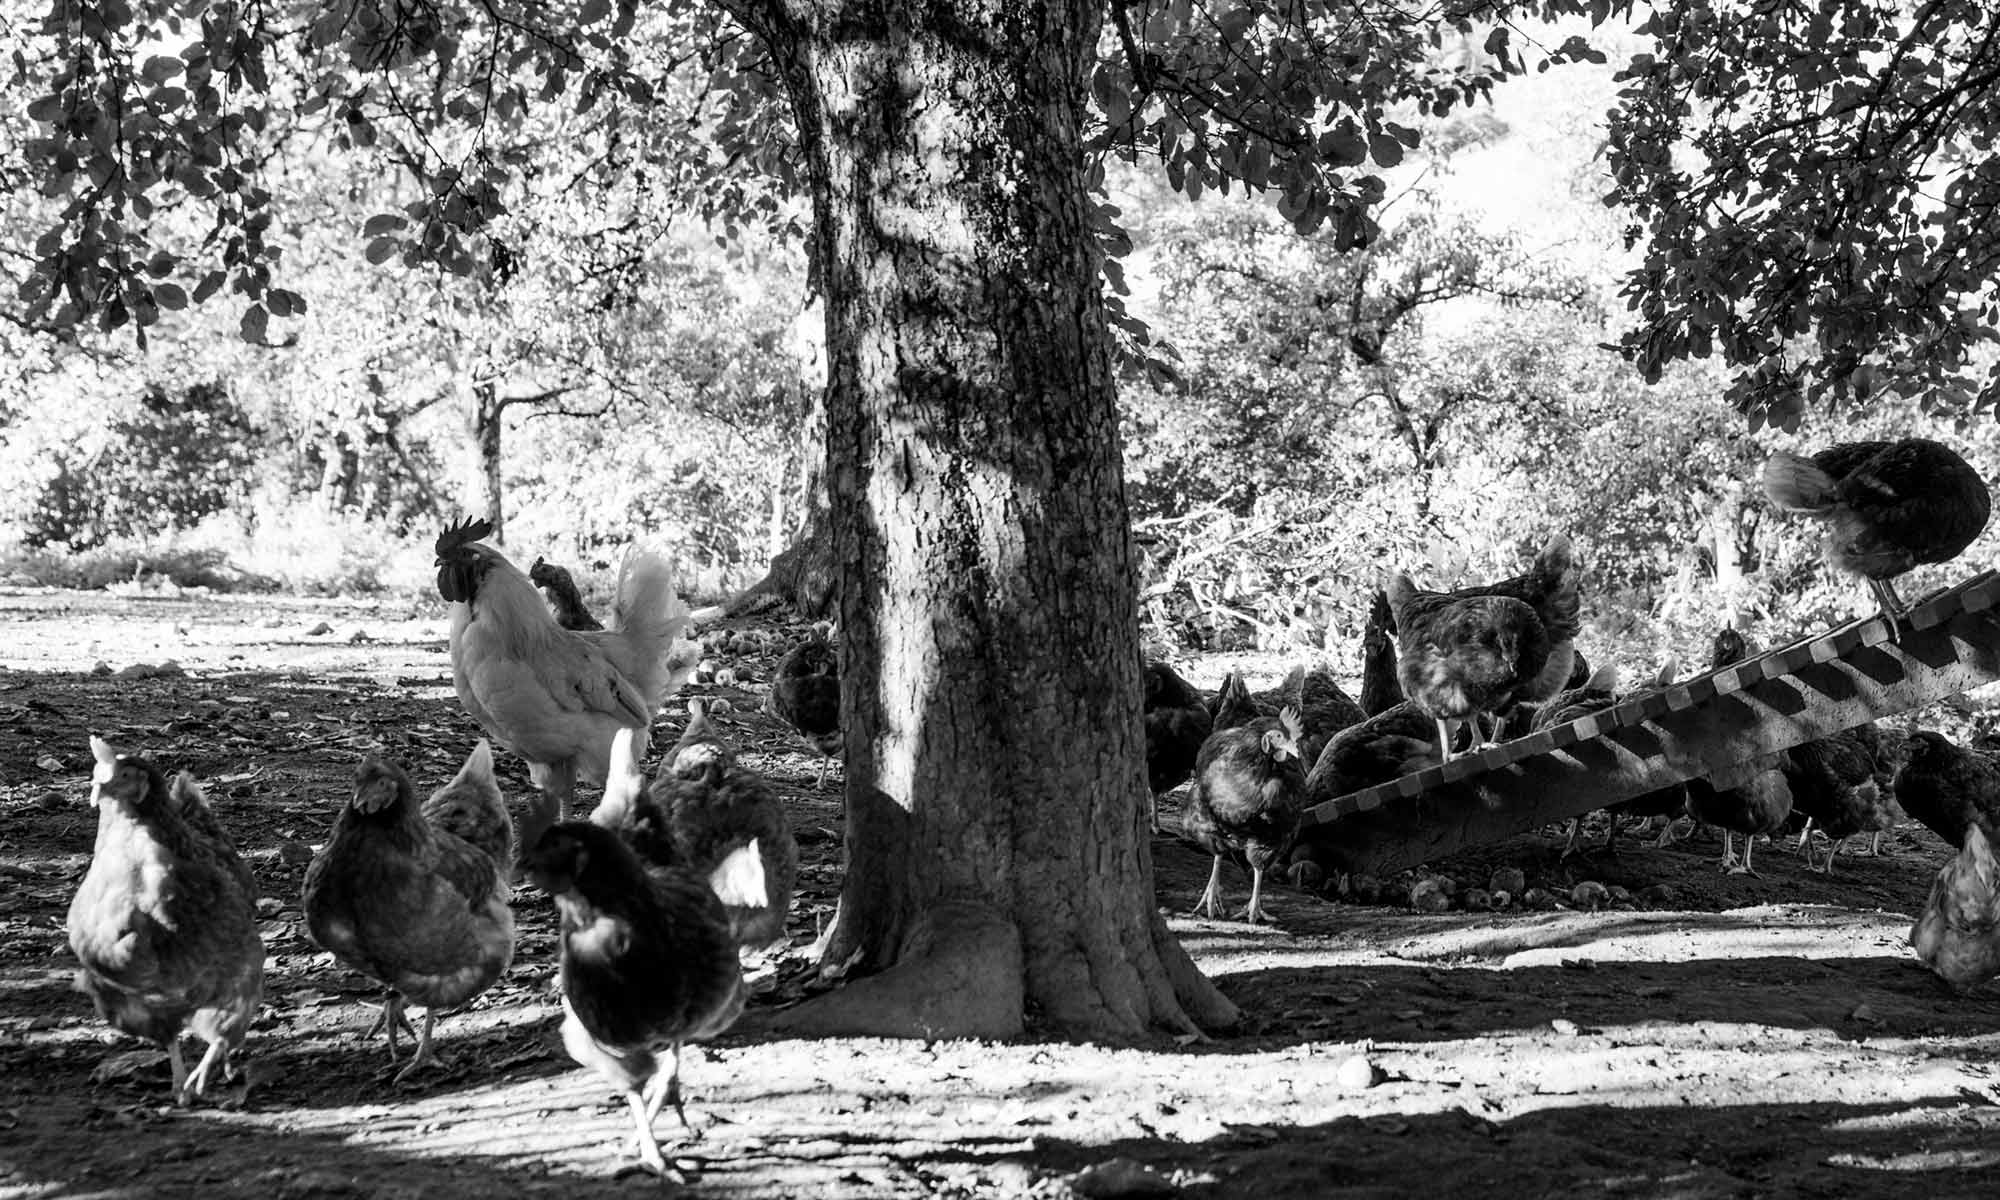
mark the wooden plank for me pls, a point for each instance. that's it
(1873, 679)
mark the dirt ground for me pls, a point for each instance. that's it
(1732, 1036)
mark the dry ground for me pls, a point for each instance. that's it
(1742, 1037)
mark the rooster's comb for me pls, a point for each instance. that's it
(462, 533)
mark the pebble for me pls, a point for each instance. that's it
(1121, 1177)
(1428, 895)
(1476, 900)
(1357, 1074)
(1539, 898)
(1590, 894)
(269, 906)
(1508, 879)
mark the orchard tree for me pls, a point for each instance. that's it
(1814, 187)
(952, 152)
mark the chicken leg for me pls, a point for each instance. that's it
(391, 1018)
(217, 1056)
(178, 1066)
(1744, 867)
(1211, 897)
(1253, 912)
(826, 760)
(423, 1054)
(647, 1146)
(1893, 609)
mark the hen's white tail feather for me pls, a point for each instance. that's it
(1796, 484)
(739, 878)
(650, 614)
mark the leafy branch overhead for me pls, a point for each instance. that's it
(1813, 186)
(159, 125)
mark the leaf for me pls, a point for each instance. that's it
(253, 323)
(169, 296)
(380, 249)
(383, 223)
(1385, 149)
(210, 284)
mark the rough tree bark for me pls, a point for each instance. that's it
(487, 410)
(990, 646)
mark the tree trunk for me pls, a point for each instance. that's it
(1725, 523)
(488, 409)
(990, 643)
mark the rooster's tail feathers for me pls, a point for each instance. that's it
(1797, 484)
(648, 611)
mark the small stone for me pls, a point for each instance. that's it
(726, 677)
(1618, 894)
(1658, 895)
(319, 630)
(1476, 900)
(1121, 1177)
(1502, 900)
(1449, 884)
(1365, 889)
(1511, 880)
(1357, 1074)
(1307, 875)
(1590, 895)
(720, 706)
(1565, 1027)
(50, 801)
(269, 906)
(100, 667)
(1541, 899)
(294, 853)
(1428, 895)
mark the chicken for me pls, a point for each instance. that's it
(1464, 657)
(805, 693)
(1753, 799)
(1380, 689)
(698, 744)
(1249, 786)
(552, 696)
(1887, 507)
(1233, 705)
(164, 923)
(1839, 785)
(709, 814)
(415, 896)
(1950, 788)
(1386, 746)
(1177, 722)
(647, 966)
(564, 600)
(1957, 934)
(1324, 709)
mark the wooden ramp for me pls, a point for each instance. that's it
(1807, 690)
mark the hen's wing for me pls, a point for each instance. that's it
(471, 807)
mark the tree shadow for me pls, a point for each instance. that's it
(1678, 1152)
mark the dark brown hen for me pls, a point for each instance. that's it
(164, 925)
(1887, 506)
(564, 599)
(1380, 689)
(805, 694)
(1838, 785)
(1949, 788)
(647, 966)
(1248, 789)
(415, 895)
(1177, 722)
(1462, 657)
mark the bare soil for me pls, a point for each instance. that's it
(1768, 1036)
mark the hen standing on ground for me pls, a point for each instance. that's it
(554, 697)
(1950, 788)
(1888, 506)
(721, 820)
(1380, 689)
(164, 922)
(1177, 723)
(564, 600)
(805, 694)
(1840, 786)
(647, 966)
(1957, 934)
(1248, 788)
(416, 897)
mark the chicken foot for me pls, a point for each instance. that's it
(390, 1019)
(195, 1084)
(1730, 865)
(1211, 897)
(647, 1146)
(826, 760)
(1893, 609)
(423, 1056)
(1253, 912)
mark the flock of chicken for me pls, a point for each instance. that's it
(1444, 670)
(662, 892)
(670, 882)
